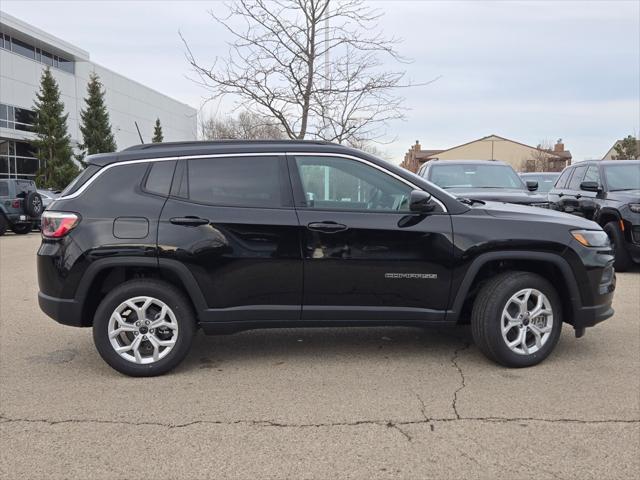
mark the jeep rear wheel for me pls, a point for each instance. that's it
(22, 228)
(517, 319)
(144, 328)
(3, 224)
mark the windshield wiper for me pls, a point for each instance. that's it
(623, 189)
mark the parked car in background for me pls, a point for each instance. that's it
(20, 205)
(607, 192)
(48, 196)
(483, 180)
(153, 242)
(545, 180)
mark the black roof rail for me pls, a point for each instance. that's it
(204, 143)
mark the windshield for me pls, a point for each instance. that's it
(625, 176)
(475, 176)
(545, 182)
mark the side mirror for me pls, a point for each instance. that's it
(420, 202)
(590, 186)
(532, 186)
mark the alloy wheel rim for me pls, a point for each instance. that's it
(527, 321)
(37, 205)
(143, 330)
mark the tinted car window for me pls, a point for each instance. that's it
(236, 181)
(335, 183)
(4, 189)
(574, 183)
(562, 181)
(159, 177)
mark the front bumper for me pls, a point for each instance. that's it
(590, 316)
(66, 311)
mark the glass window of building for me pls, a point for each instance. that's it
(22, 48)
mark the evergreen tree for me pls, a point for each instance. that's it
(95, 127)
(157, 132)
(53, 147)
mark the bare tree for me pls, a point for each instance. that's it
(312, 65)
(539, 159)
(246, 126)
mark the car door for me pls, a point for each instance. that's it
(557, 192)
(230, 220)
(588, 204)
(366, 256)
(572, 193)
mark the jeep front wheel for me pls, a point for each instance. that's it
(516, 319)
(144, 327)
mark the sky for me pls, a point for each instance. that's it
(529, 71)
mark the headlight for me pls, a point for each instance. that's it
(634, 207)
(591, 238)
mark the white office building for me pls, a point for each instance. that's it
(25, 51)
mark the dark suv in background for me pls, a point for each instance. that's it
(20, 205)
(483, 180)
(152, 242)
(607, 192)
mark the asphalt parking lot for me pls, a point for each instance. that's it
(314, 403)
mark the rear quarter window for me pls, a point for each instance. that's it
(4, 189)
(159, 177)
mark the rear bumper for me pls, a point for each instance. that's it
(63, 310)
(20, 218)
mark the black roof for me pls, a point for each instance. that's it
(179, 149)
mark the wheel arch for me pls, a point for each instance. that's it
(103, 274)
(607, 215)
(550, 266)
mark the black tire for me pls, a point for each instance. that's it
(3, 225)
(162, 291)
(33, 205)
(486, 318)
(622, 261)
(22, 228)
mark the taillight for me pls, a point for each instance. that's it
(58, 224)
(16, 203)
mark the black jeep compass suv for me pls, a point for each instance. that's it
(150, 243)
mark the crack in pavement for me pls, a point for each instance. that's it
(395, 426)
(270, 423)
(463, 382)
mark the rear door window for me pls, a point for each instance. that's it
(4, 189)
(237, 181)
